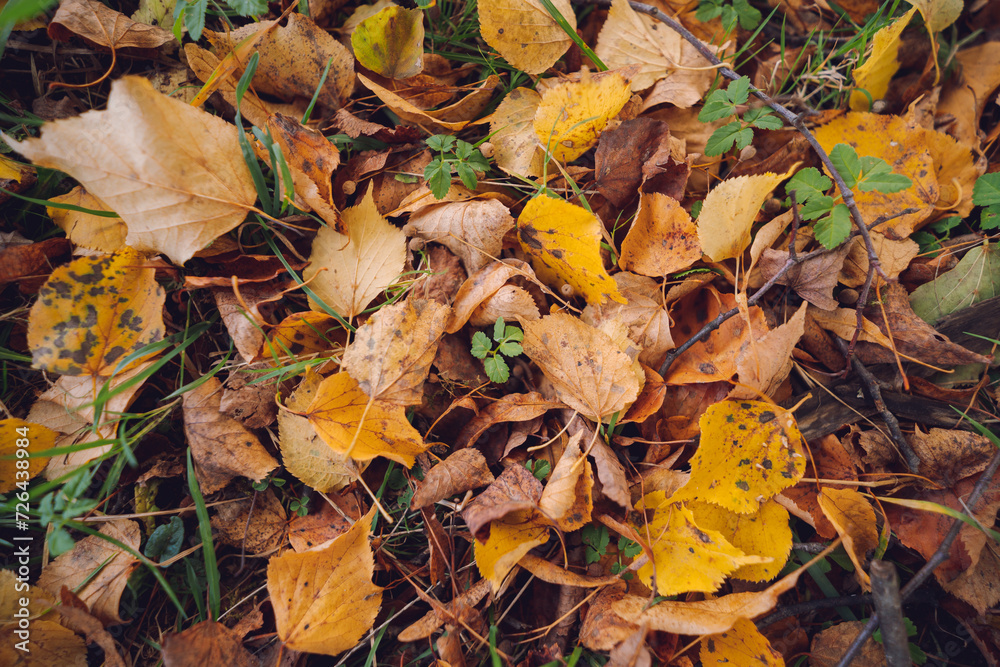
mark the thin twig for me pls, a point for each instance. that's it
(811, 606)
(889, 605)
(925, 572)
(874, 394)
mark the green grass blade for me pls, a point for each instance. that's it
(207, 547)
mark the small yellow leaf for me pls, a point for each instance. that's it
(938, 14)
(360, 427)
(391, 42)
(882, 64)
(93, 312)
(566, 498)
(589, 373)
(571, 115)
(16, 436)
(348, 272)
(686, 557)
(9, 170)
(749, 451)
(566, 239)
(765, 533)
(663, 238)
(743, 645)
(306, 333)
(517, 149)
(510, 539)
(729, 211)
(324, 601)
(854, 518)
(524, 33)
(89, 231)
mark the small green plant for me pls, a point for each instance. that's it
(540, 469)
(597, 539)
(453, 155)
(739, 133)
(833, 218)
(300, 506)
(60, 507)
(507, 341)
(917, 654)
(628, 549)
(740, 11)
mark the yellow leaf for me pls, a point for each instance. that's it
(360, 427)
(17, 436)
(663, 238)
(566, 239)
(510, 539)
(904, 148)
(881, 65)
(749, 451)
(743, 645)
(854, 518)
(303, 451)
(524, 33)
(938, 14)
(566, 498)
(51, 644)
(93, 312)
(391, 42)
(348, 272)
(307, 333)
(324, 601)
(174, 201)
(517, 149)
(392, 352)
(629, 38)
(686, 557)
(93, 232)
(9, 170)
(571, 115)
(589, 373)
(765, 533)
(729, 211)
(957, 172)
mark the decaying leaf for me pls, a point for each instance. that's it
(448, 119)
(324, 601)
(360, 427)
(565, 240)
(472, 229)
(590, 373)
(100, 25)
(17, 435)
(391, 42)
(524, 33)
(463, 470)
(509, 408)
(174, 173)
(256, 530)
(566, 499)
(644, 314)
(743, 644)
(348, 272)
(854, 518)
(102, 591)
(94, 312)
(749, 451)
(205, 643)
(729, 211)
(221, 446)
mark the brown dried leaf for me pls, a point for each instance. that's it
(205, 643)
(552, 573)
(516, 489)
(663, 238)
(472, 229)
(947, 456)
(102, 26)
(767, 361)
(439, 615)
(621, 154)
(463, 470)
(258, 532)
(829, 646)
(509, 408)
(222, 447)
(813, 279)
(481, 285)
(645, 316)
(566, 499)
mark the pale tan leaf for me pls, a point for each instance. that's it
(566, 498)
(524, 32)
(517, 149)
(729, 211)
(472, 229)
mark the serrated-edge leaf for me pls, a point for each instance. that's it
(833, 229)
(986, 191)
(845, 160)
(739, 90)
(722, 139)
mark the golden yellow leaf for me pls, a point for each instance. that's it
(903, 147)
(566, 498)
(854, 518)
(742, 645)
(93, 232)
(348, 272)
(94, 312)
(391, 42)
(939, 14)
(174, 173)
(749, 451)
(629, 38)
(882, 64)
(764, 533)
(663, 238)
(686, 557)
(729, 211)
(303, 452)
(590, 374)
(449, 119)
(957, 172)
(360, 427)
(524, 33)
(392, 352)
(9, 170)
(324, 601)
(566, 239)
(113, 565)
(510, 539)
(571, 115)
(517, 149)
(16, 436)
(51, 644)
(306, 333)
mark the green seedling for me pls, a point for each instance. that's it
(739, 11)
(540, 469)
(739, 133)
(453, 155)
(506, 341)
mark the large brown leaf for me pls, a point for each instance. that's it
(103, 26)
(463, 470)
